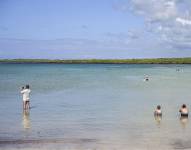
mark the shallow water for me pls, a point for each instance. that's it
(94, 106)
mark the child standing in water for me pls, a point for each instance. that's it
(26, 97)
(158, 111)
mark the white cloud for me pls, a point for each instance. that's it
(183, 21)
(170, 20)
(154, 10)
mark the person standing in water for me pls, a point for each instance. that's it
(158, 111)
(158, 115)
(184, 111)
(26, 97)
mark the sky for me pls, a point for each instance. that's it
(85, 29)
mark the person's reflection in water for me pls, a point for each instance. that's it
(158, 119)
(184, 121)
(26, 119)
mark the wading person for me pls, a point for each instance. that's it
(184, 111)
(26, 97)
(158, 111)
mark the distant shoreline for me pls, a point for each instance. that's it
(102, 61)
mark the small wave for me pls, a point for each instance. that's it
(43, 141)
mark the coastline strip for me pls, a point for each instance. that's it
(102, 61)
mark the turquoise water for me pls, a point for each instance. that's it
(94, 106)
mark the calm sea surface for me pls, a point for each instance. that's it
(98, 107)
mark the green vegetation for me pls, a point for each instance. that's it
(104, 61)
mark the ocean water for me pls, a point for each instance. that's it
(94, 107)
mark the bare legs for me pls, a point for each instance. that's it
(26, 105)
(24, 108)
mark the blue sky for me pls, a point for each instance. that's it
(75, 29)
